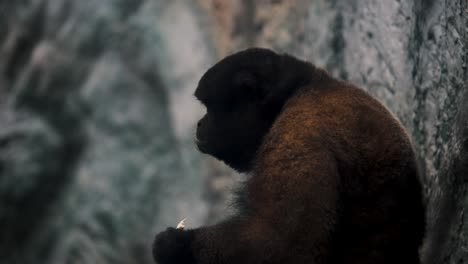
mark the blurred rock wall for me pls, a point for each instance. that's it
(94, 157)
(97, 113)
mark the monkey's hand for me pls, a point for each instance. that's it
(173, 246)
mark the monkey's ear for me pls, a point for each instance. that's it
(291, 74)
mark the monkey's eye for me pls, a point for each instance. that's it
(245, 81)
(248, 89)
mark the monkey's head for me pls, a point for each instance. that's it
(243, 94)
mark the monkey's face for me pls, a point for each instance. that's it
(232, 135)
(238, 116)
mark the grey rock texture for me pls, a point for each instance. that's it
(92, 160)
(97, 113)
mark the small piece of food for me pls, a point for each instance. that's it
(181, 224)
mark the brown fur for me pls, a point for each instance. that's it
(334, 181)
(320, 133)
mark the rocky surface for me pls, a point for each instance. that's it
(97, 113)
(92, 158)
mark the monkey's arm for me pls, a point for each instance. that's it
(293, 202)
(226, 242)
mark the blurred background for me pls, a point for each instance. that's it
(97, 114)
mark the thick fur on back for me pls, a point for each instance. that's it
(334, 142)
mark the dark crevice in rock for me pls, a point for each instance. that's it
(445, 212)
(37, 203)
(27, 38)
(4, 26)
(338, 45)
(246, 25)
(129, 7)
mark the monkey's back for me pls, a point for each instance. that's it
(380, 215)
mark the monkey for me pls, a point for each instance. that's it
(331, 174)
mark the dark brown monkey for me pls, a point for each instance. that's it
(332, 176)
